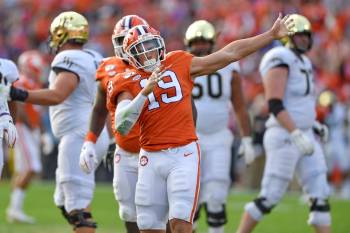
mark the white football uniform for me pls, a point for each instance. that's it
(167, 176)
(283, 158)
(212, 97)
(69, 120)
(27, 149)
(8, 70)
(336, 147)
(124, 182)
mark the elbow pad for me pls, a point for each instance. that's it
(275, 106)
(127, 113)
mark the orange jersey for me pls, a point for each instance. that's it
(166, 120)
(106, 72)
(33, 112)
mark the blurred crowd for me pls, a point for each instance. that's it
(25, 25)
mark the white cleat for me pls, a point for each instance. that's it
(18, 216)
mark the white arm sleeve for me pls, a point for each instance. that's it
(127, 113)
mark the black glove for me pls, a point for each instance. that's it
(108, 160)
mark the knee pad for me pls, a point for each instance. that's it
(215, 192)
(131, 227)
(80, 218)
(319, 212)
(64, 213)
(259, 207)
(127, 214)
(148, 222)
(217, 218)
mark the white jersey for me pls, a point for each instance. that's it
(299, 98)
(212, 97)
(74, 112)
(8, 70)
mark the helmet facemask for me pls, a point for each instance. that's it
(200, 47)
(147, 53)
(118, 46)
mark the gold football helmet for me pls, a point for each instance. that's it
(200, 29)
(67, 26)
(302, 26)
(327, 98)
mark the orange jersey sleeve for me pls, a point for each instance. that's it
(166, 120)
(116, 86)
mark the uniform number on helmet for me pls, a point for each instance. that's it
(214, 87)
(164, 97)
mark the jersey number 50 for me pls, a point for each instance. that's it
(214, 87)
(165, 98)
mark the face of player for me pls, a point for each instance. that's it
(147, 54)
(201, 47)
(302, 42)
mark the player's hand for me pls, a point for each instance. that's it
(321, 130)
(282, 27)
(247, 149)
(302, 142)
(8, 130)
(108, 160)
(88, 159)
(155, 77)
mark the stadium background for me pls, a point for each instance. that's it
(25, 24)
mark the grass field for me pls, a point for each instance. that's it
(289, 217)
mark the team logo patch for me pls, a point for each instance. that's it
(117, 158)
(143, 160)
(129, 74)
(112, 73)
(137, 77)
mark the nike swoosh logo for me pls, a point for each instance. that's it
(187, 154)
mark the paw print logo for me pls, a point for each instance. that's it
(117, 158)
(143, 160)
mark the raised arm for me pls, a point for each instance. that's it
(239, 49)
(129, 109)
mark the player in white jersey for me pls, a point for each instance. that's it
(27, 161)
(289, 141)
(214, 95)
(71, 95)
(8, 71)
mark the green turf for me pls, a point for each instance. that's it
(288, 217)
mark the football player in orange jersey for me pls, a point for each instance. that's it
(126, 154)
(31, 66)
(169, 160)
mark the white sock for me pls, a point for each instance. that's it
(17, 198)
(216, 229)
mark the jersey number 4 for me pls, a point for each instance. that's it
(165, 98)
